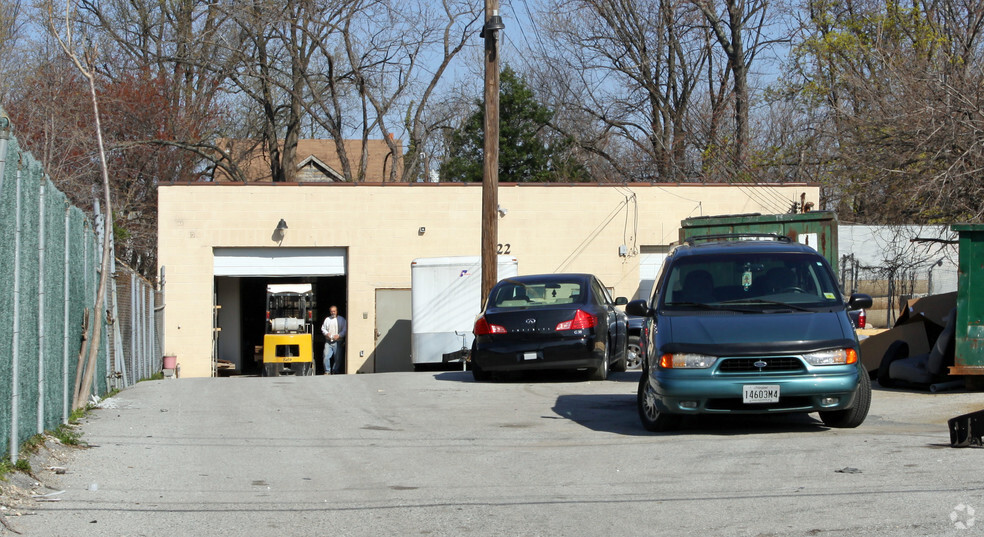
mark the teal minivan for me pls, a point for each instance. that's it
(750, 327)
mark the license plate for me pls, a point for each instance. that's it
(760, 393)
(529, 356)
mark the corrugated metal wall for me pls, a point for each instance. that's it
(49, 269)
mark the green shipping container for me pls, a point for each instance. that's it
(969, 352)
(816, 229)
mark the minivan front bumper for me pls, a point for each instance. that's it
(702, 392)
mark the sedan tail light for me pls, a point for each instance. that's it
(862, 319)
(484, 328)
(582, 319)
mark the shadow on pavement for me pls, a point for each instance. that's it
(617, 412)
(540, 377)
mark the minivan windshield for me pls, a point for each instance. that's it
(744, 280)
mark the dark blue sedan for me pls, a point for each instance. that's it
(550, 321)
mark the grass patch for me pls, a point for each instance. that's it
(156, 376)
(33, 443)
(78, 414)
(67, 435)
(5, 468)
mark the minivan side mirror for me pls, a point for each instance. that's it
(638, 307)
(621, 301)
(859, 301)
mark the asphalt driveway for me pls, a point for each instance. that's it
(438, 454)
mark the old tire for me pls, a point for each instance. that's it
(897, 350)
(854, 416)
(650, 415)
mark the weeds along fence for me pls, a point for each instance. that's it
(50, 254)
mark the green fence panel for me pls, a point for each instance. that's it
(53, 274)
(28, 310)
(51, 250)
(7, 223)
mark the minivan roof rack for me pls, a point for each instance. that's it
(737, 236)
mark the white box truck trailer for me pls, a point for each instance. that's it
(445, 299)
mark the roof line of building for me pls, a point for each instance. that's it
(475, 184)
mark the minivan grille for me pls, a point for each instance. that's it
(741, 365)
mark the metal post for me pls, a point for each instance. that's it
(67, 271)
(42, 336)
(15, 343)
(490, 176)
(135, 355)
(4, 137)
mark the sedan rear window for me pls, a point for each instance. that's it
(520, 295)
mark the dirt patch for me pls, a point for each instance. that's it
(21, 492)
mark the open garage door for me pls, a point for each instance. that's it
(241, 276)
(279, 262)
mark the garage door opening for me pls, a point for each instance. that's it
(241, 277)
(242, 317)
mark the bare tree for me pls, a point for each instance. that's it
(738, 29)
(902, 88)
(392, 61)
(632, 67)
(84, 64)
(11, 24)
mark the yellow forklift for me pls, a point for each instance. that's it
(288, 344)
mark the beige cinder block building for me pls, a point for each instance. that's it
(218, 246)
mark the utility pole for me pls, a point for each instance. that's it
(490, 175)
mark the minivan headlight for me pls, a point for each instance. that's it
(832, 357)
(686, 361)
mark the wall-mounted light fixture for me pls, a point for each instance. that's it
(502, 210)
(421, 230)
(278, 233)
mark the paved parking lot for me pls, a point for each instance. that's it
(437, 454)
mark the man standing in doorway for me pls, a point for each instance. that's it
(334, 328)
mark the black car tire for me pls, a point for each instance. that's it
(652, 419)
(622, 363)
(633, 354)
(479, 374)
(601, 372)
(898, 349)
(854, 416)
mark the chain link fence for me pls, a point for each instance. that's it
(50, 254)
(896, 263)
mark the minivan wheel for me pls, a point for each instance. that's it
(652, 419)
(851, 417)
